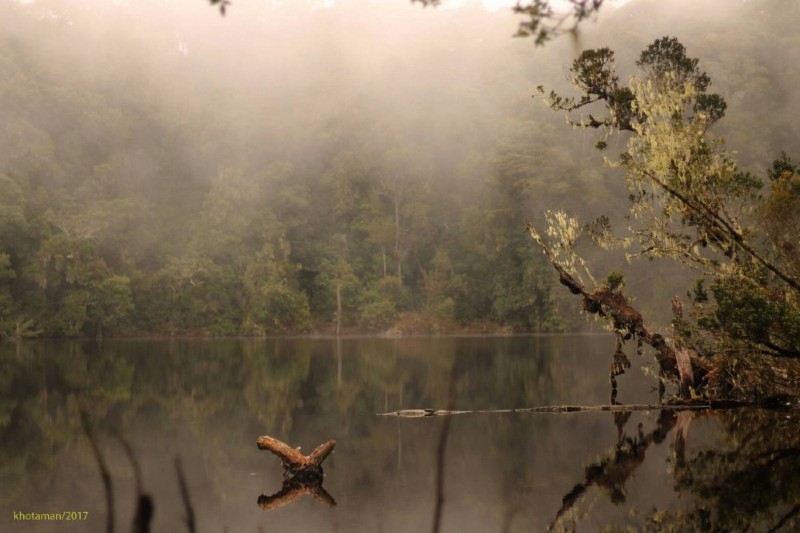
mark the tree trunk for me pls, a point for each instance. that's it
(397, 235)
(615, 306)
(338, 308)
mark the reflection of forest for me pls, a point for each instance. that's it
(165, 393)
(207, 401)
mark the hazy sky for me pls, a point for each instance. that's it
(491, 5)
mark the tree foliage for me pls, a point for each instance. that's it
(543, 21)
(689, 203)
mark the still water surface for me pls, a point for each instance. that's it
(207, 401)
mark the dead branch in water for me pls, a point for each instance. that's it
(696, 405)
(295, 463)
(302, 473)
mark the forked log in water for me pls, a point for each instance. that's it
(302, 473)
(295, 464)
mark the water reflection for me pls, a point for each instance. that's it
(747, 480)
(293, 489)
(613, 470)
(206, 401)
(751, 481)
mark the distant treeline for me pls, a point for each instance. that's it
(178, 173)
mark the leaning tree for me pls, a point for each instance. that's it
(740, 336)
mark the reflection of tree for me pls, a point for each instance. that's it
(39, 393)
(748, 481)
(616, 467)
(751, 483)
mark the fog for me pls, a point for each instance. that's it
(301, 166)
(356, 176)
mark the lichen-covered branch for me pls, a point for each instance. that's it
(615, 306)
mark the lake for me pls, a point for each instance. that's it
(207, 401)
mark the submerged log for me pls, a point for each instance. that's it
(687, 405)
(295, 464)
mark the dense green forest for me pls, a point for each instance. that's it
(367, 167)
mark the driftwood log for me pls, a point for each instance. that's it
(613, 408)
(295, 464)
(302, 474)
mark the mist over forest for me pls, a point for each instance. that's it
(357, 166)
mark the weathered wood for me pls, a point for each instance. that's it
(686, 367)
(689, 405)
(287, 454)
(419, 413)
(615, 306)
(295, 464)
(682, 355)
(321, 452)
(302, 473)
